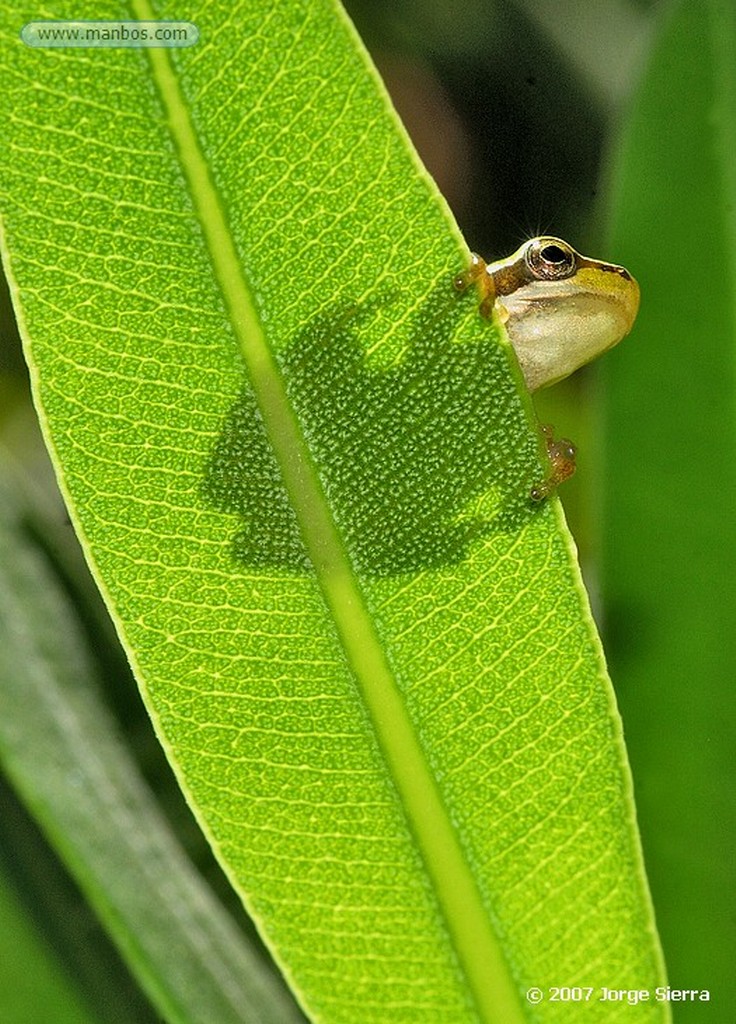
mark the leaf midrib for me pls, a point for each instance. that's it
(478, 950)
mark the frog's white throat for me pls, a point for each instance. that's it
(556, 327)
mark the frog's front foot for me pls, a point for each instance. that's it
(561, 455)
(478, 273)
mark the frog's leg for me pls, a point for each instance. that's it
(477, 273)
(561, 455)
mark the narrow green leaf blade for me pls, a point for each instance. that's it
(301, 467)
(59, 748)
(32, 985)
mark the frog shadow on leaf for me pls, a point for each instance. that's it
(404, 453)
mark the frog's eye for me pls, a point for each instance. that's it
(550, 259)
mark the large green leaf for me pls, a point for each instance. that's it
(670, 573)
(300, 466)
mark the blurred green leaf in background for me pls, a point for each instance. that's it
(669, 523)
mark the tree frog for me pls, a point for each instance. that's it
(561, 310)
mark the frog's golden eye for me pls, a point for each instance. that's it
(550, 259)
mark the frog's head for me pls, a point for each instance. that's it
(561, 309)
